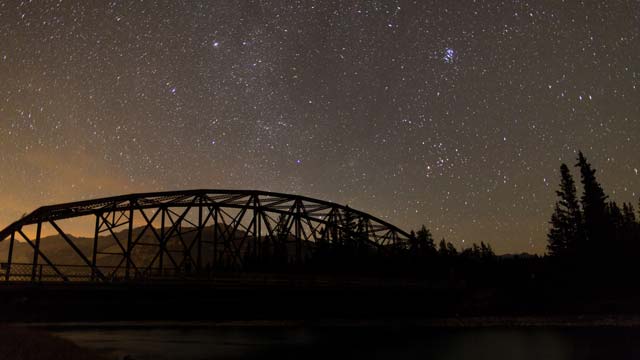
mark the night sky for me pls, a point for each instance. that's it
(452, 114)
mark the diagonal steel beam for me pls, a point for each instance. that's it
(46, 259)
(76, 249)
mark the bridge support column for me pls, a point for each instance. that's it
(199, 239)
(94, 250)
(258, 232)
(214, 262)
(162, 235)
(36, 253)
(254, 250)
(297, 232)
(10, 256)
(129, 241)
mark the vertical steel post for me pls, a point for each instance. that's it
(10, 256)
(215, 237)
(297, 233)
(248, 252)
(259, 234)
(129, 240)
(255, 226)
(200, 230)
(36, 253)
(94, 251)
(162, 210)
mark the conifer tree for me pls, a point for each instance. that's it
(425, 245)
(630, 229)
(486, 251)
(350, 236)
(348, 232)
(442, 248)
(615, 215)
(565, 236)
(451, 250)
(282, 238)
(557, 235)
(594, 206)
(616, 228)
(361, 236)
(446, 248)
(413, 243)
(629, 213)
(475, 250)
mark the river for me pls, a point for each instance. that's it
(294, 341)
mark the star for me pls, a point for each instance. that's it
(449, 56)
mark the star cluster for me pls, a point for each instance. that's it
(455, 115)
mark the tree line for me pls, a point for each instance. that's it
(590, 225)
(351, 250)
(422, 245)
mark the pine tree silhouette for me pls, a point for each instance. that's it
(446, 249)
(349, 235)
(280, 245)
(486, 252)
(451, 250)
(594, 206)
(425, 246)
(565, 236)
(630, 232)
(616, 229)
(629, 213)
(614, 213)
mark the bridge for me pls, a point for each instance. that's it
(182, 234)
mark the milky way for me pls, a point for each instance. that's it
(452, 114)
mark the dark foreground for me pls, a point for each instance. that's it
(22, 343)
(392, 340)
(364, 319)
(206, 301)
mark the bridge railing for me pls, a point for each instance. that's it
(47, 273)
(23, 272)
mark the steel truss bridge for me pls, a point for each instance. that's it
(185, 233)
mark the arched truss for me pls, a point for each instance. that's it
(160, 234)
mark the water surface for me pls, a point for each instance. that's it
(357, 342)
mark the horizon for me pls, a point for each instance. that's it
(86, 234)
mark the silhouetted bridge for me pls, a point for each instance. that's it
(185, 234)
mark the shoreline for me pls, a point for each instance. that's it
(584, 321)
(22, 343)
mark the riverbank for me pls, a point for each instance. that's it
(581, 321)
(32, 343)
(446, 339)
(235, 339)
